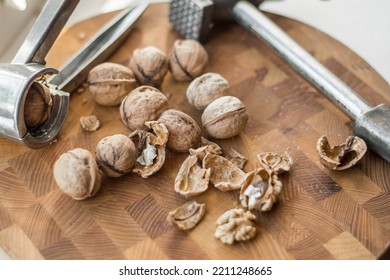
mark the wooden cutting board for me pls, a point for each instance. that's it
(321, 214)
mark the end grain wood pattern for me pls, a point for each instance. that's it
(321, 214)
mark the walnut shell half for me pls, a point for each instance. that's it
(188, 215)
(342, 156)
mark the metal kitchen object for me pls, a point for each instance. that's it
(28, 66)
(193, 19)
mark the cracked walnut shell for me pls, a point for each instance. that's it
(205, 89)
(188, 59)
(115, 155)
(77, 174)
(38, 105)
(149, 65)
(143, 104)
(150, 148)
(342, 156)
(184, 132)
(188, 215)
(225, 117)
(226, 176)
(110, 82)
(235, 225)
(274, 162)
(192, 179)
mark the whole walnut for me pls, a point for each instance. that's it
(77, 174)
(143, 104)
(149, 65)
(225, 117)
(188, 60)
(38, 105)
(205, 89)
(116, 155)
(184, 132)
(109, 83)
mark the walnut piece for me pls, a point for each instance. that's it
(225, 117)
(236, 158)
(274, 162)
(206, 147)
(150, 65)
(205, 89)
(110, 82)
(115, 155)
(188, 215)
(77, 174)
(143, 104)
(226, 176)
(342, 156)
(184, 132)
(188, 60)
(235, 225)
(38, 105)
(89, 123)
(192, 179)
(262, 192)
(150, 148)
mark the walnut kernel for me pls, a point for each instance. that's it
(225, 117)
(77, 174)
(205, 89)
(149, 65)
(143, 104)
(109, 83)
(89, 123)
(115, 155)
(188, 60)
(184, 132)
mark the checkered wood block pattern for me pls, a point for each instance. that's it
(321, 214)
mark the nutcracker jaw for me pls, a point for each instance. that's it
(15, 83)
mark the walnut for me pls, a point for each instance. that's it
(226, 176)
(77, 174)
(38, 105)
(150, 148)
(184, 132)
(188, 215)
(188, 60)
(205, 89)
(143, 104)
(262, 192)
(236, 158)
(149, 65)
(274, 162)
(89, 123)
(192, 179)
(235, 225)
(115, 155)
(342, 156)
(206, 147)
(109, 83)
(225, 117)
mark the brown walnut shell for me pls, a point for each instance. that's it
(110, 82)
(143, 104)
(184, 132)
(38, 105)
(225, 117)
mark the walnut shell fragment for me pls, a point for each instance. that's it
(342, 156)
(188, 215)
(89, 123)
(226, 176)
(262, 192)
(206, 147)
(150, 148)
(192, 180)
(277, 163)
(236, 158)
(235, 225)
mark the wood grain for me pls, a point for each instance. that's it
(321, 214)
